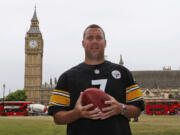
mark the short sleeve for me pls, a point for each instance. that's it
(60, 98)
(134, 94)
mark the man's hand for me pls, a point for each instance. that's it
(114, 108)
(83, 111)
(65, 117)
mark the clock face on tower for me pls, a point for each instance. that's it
(33, 43)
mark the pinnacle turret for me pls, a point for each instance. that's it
(34, 18)
(121, 61)
(34, 28)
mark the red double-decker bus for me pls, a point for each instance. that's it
(162, 107)
(14, 108)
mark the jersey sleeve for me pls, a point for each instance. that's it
(60, 98)
(134, 94)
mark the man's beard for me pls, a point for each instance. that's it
(97, 57)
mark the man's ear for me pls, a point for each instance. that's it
(83, 44)
(105, 44)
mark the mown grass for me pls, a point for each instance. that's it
(156, 125)
(37, 125)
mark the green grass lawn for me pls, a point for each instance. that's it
(38, 125)
(156, 125)
(35, 125)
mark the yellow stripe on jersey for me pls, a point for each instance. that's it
(59, 100)
(133, 93)
(50, 105)
(61, 91)
(132, 86)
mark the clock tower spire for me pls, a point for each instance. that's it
(34, 28)
(33, 61)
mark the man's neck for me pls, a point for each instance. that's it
(93, 62)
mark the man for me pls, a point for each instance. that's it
(125, 102)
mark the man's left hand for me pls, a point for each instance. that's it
(114, 108)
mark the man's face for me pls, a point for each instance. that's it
(94, 44)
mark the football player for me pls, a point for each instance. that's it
(126, 99)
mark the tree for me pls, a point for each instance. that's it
(18, 95)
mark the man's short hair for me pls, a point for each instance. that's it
(93, 26)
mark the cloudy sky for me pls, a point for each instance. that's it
(145, 32)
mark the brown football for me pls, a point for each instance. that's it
(96, 97)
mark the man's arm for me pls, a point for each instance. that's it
(79, 111)
(115, 108)
(65, 117)
(132, 111)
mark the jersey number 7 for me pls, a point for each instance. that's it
(101, 82)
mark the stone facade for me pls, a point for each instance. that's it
(158, 79)
(164, 84)
(33, 65)
(158, 84)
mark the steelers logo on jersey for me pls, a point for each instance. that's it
(116, 74)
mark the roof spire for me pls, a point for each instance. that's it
(35, 15)
(34, 28)
(121, 61)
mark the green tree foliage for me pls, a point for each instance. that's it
(18, 95)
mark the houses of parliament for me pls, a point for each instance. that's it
(162, 84)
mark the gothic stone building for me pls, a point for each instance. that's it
(35, 91)
(160, 84)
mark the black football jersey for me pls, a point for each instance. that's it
(111, 78)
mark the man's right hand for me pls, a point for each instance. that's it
(79, 111)
(83, 111)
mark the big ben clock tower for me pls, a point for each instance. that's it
(33, 61)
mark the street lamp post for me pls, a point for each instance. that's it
(4, 86)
